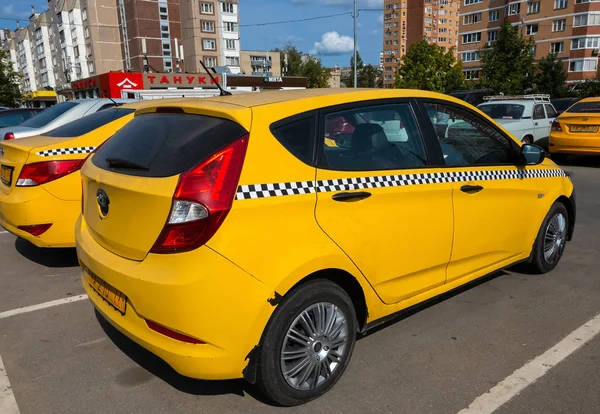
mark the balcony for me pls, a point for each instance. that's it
(262, 73)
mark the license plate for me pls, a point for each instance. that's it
(112, 295)
(584, 128)
(6, 174)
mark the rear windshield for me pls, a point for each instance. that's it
(503, 111)
(585, 107)
(49, 115)
(165, 144)
(562, 105)
(88, 123)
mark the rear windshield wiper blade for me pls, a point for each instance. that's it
(120, 163)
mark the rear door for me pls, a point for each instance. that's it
(379, 199)
(541, 126)
(494, 200)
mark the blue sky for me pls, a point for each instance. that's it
(332, 38)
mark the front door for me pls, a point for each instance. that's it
(380, 202)
(494, 200)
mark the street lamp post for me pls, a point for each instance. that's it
(355, 74)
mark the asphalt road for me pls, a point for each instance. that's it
(437, 359)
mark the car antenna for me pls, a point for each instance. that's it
(223, 91)
(108, 97)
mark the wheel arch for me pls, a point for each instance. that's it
(569, 203)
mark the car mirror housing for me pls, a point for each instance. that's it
(532, 154)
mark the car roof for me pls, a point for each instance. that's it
(592, 99)
(319, 97)
(512, 102)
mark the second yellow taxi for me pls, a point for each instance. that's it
(576, 131)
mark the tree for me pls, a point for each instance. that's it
(590, 87)
(296, 63)
(428, 67)
(455, 78)
(508, 66)
(9, 82)
(369, 77)
(349, 80)
(551, 76)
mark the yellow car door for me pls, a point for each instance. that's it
(496, 201)
(380, 201)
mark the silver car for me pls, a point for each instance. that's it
(58, 115)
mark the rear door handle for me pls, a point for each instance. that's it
(471, 189)
(360, 195)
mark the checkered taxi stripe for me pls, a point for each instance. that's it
(63, 151)
(250, 191)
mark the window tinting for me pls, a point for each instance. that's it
(49, 115)
(538, 112)
(88, 123)
(12, 118)
(585, 107)
(384, 137)
(166, 144)
(503, 111)
(467, 139)
(297, 137)
(550, 111)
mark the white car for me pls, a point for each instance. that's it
(58, 115)
(527, 117)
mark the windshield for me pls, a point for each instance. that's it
(49, 115)
(585, 107)
(503, 111)
(88, 123)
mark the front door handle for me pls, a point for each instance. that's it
(535, 123)
(471, 189)
(360, 195)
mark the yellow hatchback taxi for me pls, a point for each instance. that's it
(40, 189)
(227, 237)
(576, 130)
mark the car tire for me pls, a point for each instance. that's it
(527, 139)
(551, 239)
(559, 158)
(332, 345)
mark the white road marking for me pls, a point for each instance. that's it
(44, 305)
(529, 373)
(3, 232)
(8, 404)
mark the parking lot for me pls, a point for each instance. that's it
(59, 357)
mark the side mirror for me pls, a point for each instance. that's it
(532, 154)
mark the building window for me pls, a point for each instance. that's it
(86, 33)
(166, 46)
(208, 26)
(209, 44)
(557, 47)
(231, 27)
(513, 8)
(210, 61)
(206, 8)
(76, 51)
(494, 16)
(560, 4)
(84, 14)
(532, 29)
(230, 44)
(559, 25)
(227, 7)
(583, 65)
(74, 33)
(61, 36)
(164, 28)
(588, 19)
(470, 56)
(471, 38)
(585, 43)
(472, 74)
(533, 50)
(533, 7)
(469, 2)
(162, 9)
(472, 18)
(232, 61)
(91, 67)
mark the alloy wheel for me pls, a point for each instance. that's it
(555, 238)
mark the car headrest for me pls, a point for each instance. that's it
(368, 137)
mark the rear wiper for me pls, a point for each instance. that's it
(119, 163)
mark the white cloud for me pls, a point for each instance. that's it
(380, 19)
(8, 10)
(375, 32)
(333, 44)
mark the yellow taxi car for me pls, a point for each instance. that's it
(40, 191)
(576, 130)
(225, 236)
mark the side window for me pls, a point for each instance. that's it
(384, 137)
(551, 111)
(538, 112)
(297, 137)
(467, 139)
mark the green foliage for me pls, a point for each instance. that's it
(551, 77)
(299, 64)
(590, 87)
(427, 66)
(508, 66)
(369, 76)
(9, 83)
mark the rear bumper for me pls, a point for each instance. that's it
(34, 205)
(574, 145)
(199, 294)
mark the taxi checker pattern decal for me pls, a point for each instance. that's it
(63, 151)
(245, 192)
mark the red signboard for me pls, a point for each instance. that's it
(110, 84)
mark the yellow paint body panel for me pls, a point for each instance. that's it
(403, 245)
(569, 141)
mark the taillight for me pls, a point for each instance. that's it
(556, 126)
(172, 334)
(36, 229)
(46, 171)
(202, 200)
(9, 136)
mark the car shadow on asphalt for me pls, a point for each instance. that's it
(47, 257)
(159, 368)
(589, 161)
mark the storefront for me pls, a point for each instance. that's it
(39, 99)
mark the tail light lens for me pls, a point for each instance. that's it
(37, 229)
(556, 126)
(9, 136)
(46, 171)
(202, 200)
(172, 334)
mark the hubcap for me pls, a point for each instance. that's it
(555, 237)
(314, 346)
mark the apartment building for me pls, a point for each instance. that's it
(436, 21)
(211, 34)
(260, 63)
(566, 27)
